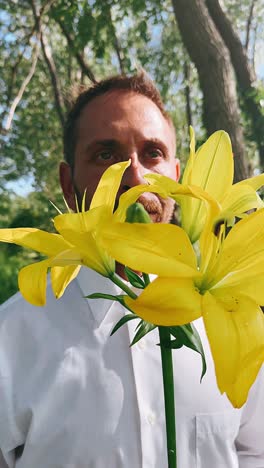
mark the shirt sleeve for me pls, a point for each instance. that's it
(250, 439)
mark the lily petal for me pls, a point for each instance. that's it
(67, 257)
(131, 196)
(239, 200)
(235, 330)
(243, 245)
(162, 249)
(108, 186)
(168, 302)
(213, 171)
(223, 338)
(252, 286)
(32, 282)
(179, 192)
(255, 182)
(41, 241)
(246, 375)
(61, 278)
(187, 175)
(249, 279)
(89, 250)
(81, 222)
(213, 168)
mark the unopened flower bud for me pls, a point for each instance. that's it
(136, 213)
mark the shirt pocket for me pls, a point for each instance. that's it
(215, 439)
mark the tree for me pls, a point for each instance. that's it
(245, 75)
(212, 60)
(46, 46)
(35, 211)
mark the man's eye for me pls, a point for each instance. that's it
(104, 155)
(154, 154)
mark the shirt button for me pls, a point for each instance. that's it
(151, 418)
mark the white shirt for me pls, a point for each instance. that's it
(77, 398)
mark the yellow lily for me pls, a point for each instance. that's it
(78, 243)
(32, 279)
(75, 245)
(226, 291)
(212, 169)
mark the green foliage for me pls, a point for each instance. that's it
(20, 212)
(109, 36)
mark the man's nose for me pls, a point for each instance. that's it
(134, 174)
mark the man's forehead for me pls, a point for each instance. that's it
(122, 108)
(118, 100)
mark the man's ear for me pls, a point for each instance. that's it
(67, 186)
(177, 169)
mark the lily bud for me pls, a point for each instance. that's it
(136, 213)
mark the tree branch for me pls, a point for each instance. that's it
(187, 92)
(53, 75)
(249, 22)
(49, 59)
(21, 91)
(79, 57)
(245, 75)
(11, 81)
(254, 47)
(116, 43)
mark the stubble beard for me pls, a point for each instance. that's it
(159, 209)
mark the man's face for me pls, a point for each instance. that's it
(118, 126)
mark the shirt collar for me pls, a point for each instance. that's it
(91, 282)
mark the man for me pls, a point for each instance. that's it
(71, 395)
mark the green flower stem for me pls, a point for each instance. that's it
(167, 373)
(122, 286)
(168, 387)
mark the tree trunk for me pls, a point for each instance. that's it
(211, 58)
(244, 73)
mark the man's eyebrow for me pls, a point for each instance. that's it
(115, 144)
(155, 141)
(109, 143)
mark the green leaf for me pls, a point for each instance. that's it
(146, 278)
(120, 299)
(122, 322)
(111, 297)
(187, 335)
(134, 279)
(176, 344)
(143, 328)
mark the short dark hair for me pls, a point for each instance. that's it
(139, 83)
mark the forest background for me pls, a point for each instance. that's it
(206, 56)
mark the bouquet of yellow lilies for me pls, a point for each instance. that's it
(210, 267)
